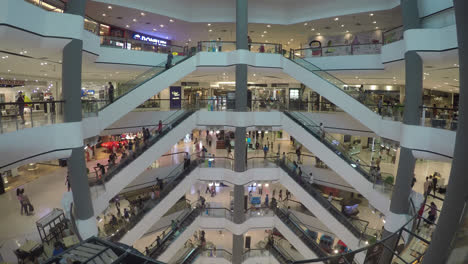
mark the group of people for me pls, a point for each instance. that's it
(25, 203)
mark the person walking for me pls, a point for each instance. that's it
(19, 196)
(160, 125)
(379, 105)
(111, 92)
(249, 41)
(427, 186)
(280, 195)
(220, 45)
(27, 203)
(266, 200)
(169, 60)
(21, 104)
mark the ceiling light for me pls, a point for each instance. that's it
(292, 39)
(356, 77)
(161, 25)
(155, 29)
(446, 83)
(347, 31)
(288, 42)
(134, 20)
(9, 70)
(455, 80)
(210, 30)
(209, 25)
(262, 36)
(189, 40)
(268, 26)
(264, 32)
(266, 41)
(342, 25)
(312, 29)
(374, 22)
(254, 74)
(171, 20)
(336, 18)
(376, 27)
(142, 14)
(318, 34)
(109, 7)
(127, 26)
(371, 14)
(103, 14)
(305, 24)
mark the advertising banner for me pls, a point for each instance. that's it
(175, 93)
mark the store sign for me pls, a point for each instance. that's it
(153, 40)
(11, 83)
(175, 97)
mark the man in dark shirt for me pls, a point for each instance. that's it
(111, 93)
(20, 102)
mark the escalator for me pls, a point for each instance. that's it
(134, 92)
(350, 229)
(150, 210)
(358, 104)
(376, 187)
(184, 221)
(293, 224)
(191, 256)
(119, 176)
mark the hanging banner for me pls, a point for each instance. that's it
(175, 97)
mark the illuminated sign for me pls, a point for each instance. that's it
(175, 97)
(153, 40)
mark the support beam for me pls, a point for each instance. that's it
(455, 198)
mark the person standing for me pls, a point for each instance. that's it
(265, 151)
(379, 105)
(169, 60)
(20, 101)
(249, 41)
(434, 184)
(220, 45)
(322, 131)
(111, 93)
(280, 195)
(160, 125)
(266, 200)
(427, 186)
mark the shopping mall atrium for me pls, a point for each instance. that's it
(233, 131)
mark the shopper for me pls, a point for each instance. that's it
(280, 195)
(265, 151)
(249, 41)
(220, 45)
(266, 200)
(379, 105)
(434, 184)
(427, 186)
(169, 60)
(27, 203)
(111, 93)
(160, 126)
(21, 104)
(298, 154)
(322, 131)
(19, 196)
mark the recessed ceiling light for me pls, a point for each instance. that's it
(134, 20)
(374, 22)
(318, 34)
(127, 26)
(268, 26)
(264, 32)
(210, 30)
(376, 27)
(292, 39)
(336, 18)
(167, 37)
(142, 14)
(155, 29)
(262, 36)
(9, 70)
(347, 31)
(266, 41)
(109, 7)
(305, 24)
(342, 25)
(103, 14)
(356, 77)
(189, 40)
(312, 29)
(254, 74)
(288, 42)
(371, 14)
(446, 83)
(209, 25)
(161, 25)
(171, 20)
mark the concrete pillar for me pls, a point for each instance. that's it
(455, 198)
(71, 83)
(399, 205)
(240, 148)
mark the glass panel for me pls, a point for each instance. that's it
(131, 44)
(16, 116)
(443, 18)
(439, 117)
(393, 35)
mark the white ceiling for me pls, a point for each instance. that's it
(182, 31)
(260, 11)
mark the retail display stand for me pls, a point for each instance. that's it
(52, 225)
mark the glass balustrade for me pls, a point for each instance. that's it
(15, 116)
